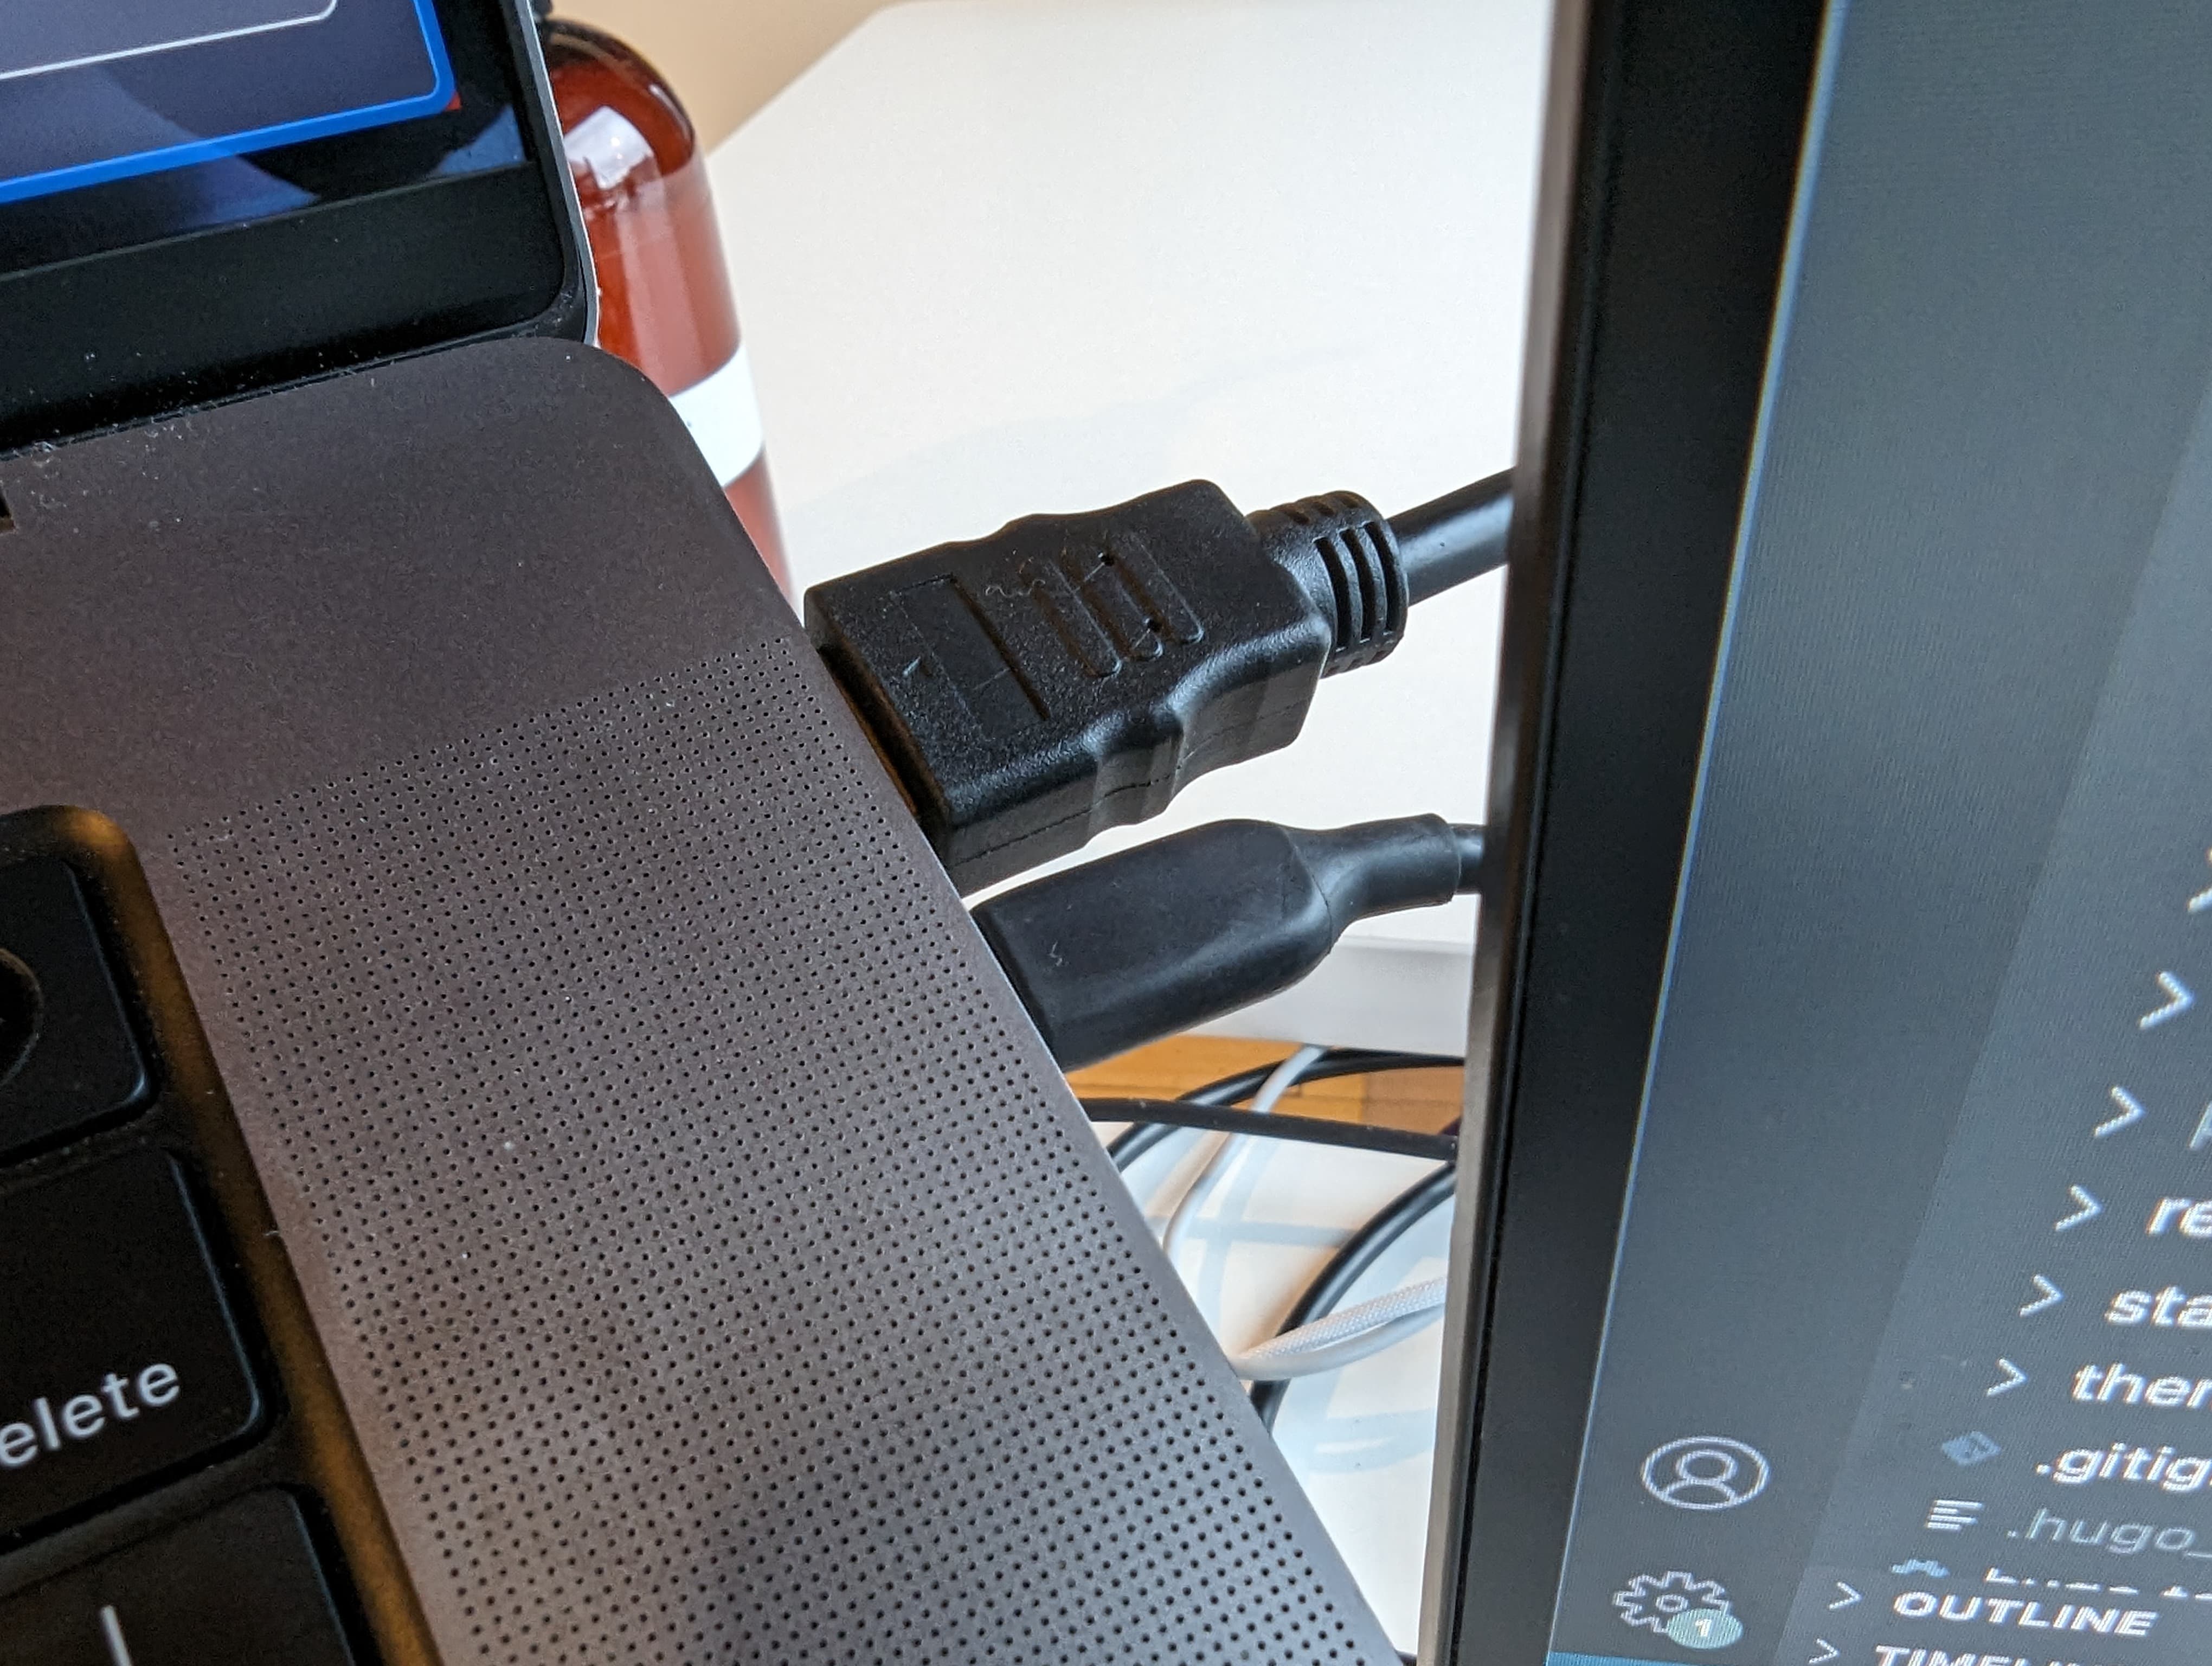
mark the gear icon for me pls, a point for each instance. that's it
(1650, 1599)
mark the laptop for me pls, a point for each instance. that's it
(510, 1147)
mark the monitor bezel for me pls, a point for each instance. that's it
(124, 336)
(1672, 140)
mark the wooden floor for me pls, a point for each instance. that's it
(1423, 1099)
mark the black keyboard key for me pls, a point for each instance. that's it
(241, 1586)
(117, 1355)
(67, 1056)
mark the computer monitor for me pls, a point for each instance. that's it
(1839, 1285)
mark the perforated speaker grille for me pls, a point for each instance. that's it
(711, 1274)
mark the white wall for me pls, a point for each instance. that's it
(726, 58)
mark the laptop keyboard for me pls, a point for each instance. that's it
(57, 990)
(243, 1583)
(160, 1502)
(130, 1362)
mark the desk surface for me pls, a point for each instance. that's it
(1001, 256)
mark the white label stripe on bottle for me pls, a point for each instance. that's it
(724, 416)
(608, 144)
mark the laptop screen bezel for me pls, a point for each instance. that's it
(130, 334)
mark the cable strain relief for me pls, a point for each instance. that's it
(1471, 842)
(1380, 867)
(1345, 557)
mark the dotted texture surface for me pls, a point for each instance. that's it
(713, 1271)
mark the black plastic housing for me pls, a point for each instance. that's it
(1674, 135)
(108, 338)
(1135, 947)
(1071, 673)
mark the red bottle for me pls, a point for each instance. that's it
(665, 301)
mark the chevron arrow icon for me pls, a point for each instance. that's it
(2130, 1113)
(2179, 999)
(2086, 1207)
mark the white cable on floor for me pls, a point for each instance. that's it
(1349, 1335)
(1280, 1080)
(1252, 1368)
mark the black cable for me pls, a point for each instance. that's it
(1070, 673)
(1337, 1061)
(1132, 1143)
(1150, 941)
(1165, 1114)
(1349, 1264)
(1460, 536)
